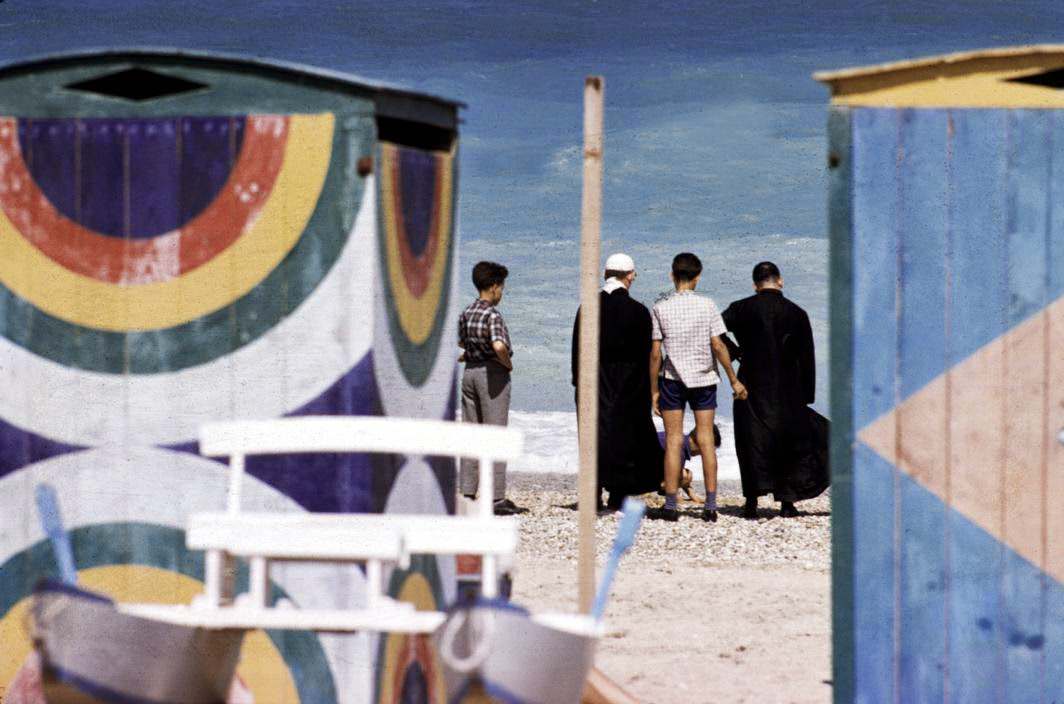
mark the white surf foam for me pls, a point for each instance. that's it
(551, 446)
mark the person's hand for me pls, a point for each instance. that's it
(739, 391)
(654, 403)
(685, 480)
(461, 357)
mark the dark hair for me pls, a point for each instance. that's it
(616, 274)
(766, 271)
(487, 274)
(686, 266)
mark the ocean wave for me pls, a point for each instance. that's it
(551, 444)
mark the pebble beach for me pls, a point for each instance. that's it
(550, 528)
(732, 611)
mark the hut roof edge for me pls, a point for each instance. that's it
(207, 57)
(959, 57)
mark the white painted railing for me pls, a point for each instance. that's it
(405, 436)
(375, 539)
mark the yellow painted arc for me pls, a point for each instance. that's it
(233, 273)
(416, 315)
(15, 637)
(261, 667)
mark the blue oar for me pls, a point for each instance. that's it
(52, 523)
(629, 526)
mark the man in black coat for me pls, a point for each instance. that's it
(780, 442)
(630, 459)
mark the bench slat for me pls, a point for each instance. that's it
(408, 436)
(350, 536)
(293, 539)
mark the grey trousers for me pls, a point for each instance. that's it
(485, 399)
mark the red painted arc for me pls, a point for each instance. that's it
(416, 269)
(142, 261)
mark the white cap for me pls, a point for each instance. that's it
(620, 262)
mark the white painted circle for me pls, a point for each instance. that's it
(416, 491)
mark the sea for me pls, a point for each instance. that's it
(715, 132)
(540, 309)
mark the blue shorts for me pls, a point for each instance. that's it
(674, 394)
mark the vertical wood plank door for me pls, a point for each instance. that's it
(947, 230)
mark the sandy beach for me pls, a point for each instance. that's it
(737, 611)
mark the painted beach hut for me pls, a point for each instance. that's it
(947, 234)
(187, 238)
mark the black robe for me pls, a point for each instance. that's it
(630, 460)
(782, 444)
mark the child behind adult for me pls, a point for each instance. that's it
(485, 341)
(689, 451)
(686, 334)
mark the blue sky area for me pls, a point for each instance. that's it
(715, 135)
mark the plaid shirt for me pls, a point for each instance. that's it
(685, 322)
(479, 325)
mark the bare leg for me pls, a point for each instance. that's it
(704, 435)
(673, 449)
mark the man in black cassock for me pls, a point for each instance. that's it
(630, 459)
(781, 443)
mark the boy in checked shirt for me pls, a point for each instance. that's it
(483, 336)
(686, 344)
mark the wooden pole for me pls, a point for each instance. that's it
(590, 225)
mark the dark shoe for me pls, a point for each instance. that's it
(663, 514)
(787, 510)
(709, 516)
(505, 507)
(600, 507)
(750, 509)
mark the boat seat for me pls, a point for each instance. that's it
(397, 617)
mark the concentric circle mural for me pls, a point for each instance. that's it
(119, 282)
(159, 271)
(155, 274)
(416, 197)
(415, 366)
(413, 349)
(229, 363)
(145, 226)
(408, 668)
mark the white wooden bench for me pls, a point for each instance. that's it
(378, 540)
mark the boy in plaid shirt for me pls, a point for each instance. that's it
(687, 328)
(483, 336)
